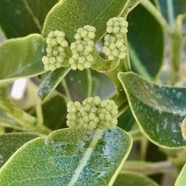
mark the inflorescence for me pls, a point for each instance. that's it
(92, 113)
(114, 45)
(82, 48)
(56, 50)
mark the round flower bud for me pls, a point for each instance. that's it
(82, 48)
(56, 50)
(114, 45)
(92, 113)
(117, 25)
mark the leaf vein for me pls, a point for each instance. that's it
(35, 19)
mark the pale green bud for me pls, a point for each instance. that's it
(56, 50)
(92, 113)
(114, 47)
(82, 48)
(117, 25)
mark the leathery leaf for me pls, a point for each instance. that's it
(69, 157)
(159, 110)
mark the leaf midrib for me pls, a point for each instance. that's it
(30, 11)
(96, 137)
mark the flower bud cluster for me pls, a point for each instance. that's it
(92, 113)
(82, 48)
(114, 45)
(117, 25)
(56, 50)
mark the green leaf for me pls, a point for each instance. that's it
(9, 143)
(183, 128)
(146, 42)
(68, 157)
(103, 86)
(51, 81)
(131, 5)
(126, 120)
(133, 179)
(181, 180)
(159, 110)
(20, 18)
(21, 57)
(54, 113)
(79, 84)
(70, 15)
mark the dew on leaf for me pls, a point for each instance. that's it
(165, 124)
(175, 142)
(47, 140)
(178, 94)
(174, 128)
(79, 81)
(1, 159)
(157, 128)
(71, 79)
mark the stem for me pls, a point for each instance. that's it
(67, 92)
(125, 63)
(156, 3)
(26, 121)
(176, 48)
(89, 82)
(149, 168)
(136, 135)
(144, 146)
(170, 12)
(184, 35)
(121, 101)
(21, 117)
(39, 112)
(175, 36)
(41, 129)
(157, 15)
(137, 64)
(2, 130)
(7, 122)
(113, 76)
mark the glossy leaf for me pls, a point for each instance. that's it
(21, 57)
(146, 42)
(126, 120)
(79, 84)
(183, 128)
(20, 18)
(181, 180)
(70, 15)
(131, 5)
(103, 86)
(159, 110)
(133, 179)
(51, 81)
(10, 142)
(68, 157)
(54, 113)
